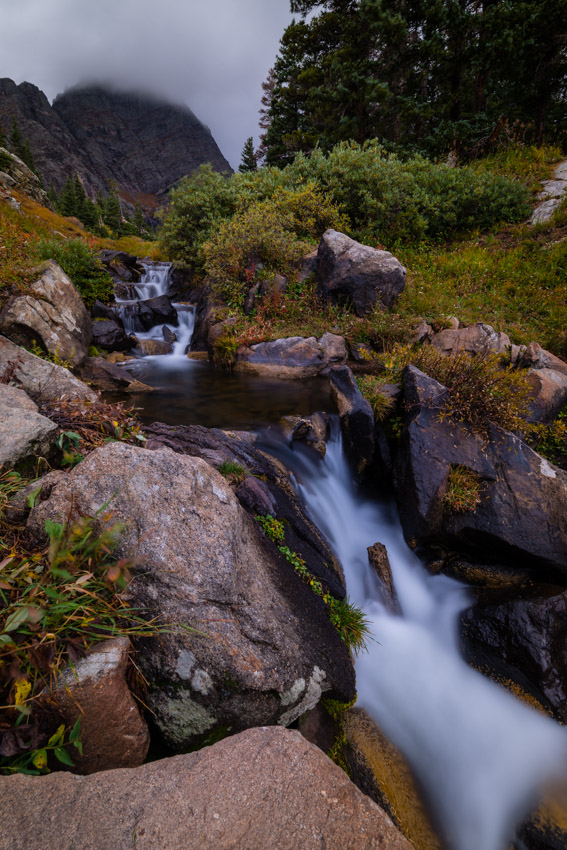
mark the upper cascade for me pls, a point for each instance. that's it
(143, 142)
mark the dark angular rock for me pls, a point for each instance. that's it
(122, 266)
(357, 275)
(106, 376)
(357, 419)
(380, 563)
(104, 311)
(108, 334)
(520, 520)
(168, 335)
(525, 639)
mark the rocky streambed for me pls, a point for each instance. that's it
(265, 652)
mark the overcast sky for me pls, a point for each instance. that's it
(212, 55)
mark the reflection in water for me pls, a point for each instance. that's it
(190, 392)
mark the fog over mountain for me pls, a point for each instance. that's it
(212, 56)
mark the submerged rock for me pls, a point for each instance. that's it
(263, 789)
(53, 314)
(254, 644)
(357, 275)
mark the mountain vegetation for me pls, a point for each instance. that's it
(417, 75)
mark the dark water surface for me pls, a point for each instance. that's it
(191, 392)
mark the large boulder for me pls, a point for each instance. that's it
(122, 266)
(53, 314)
(260, 790)
(293, 357)
(548, 378)
(42, 380)
(357, 418)
(254, 644)
(113, 732)
(520, 519)
(357, 275)
(25, 435)
(523, 639)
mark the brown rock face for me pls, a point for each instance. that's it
(261, 790)
(144, 143)
(53, 315)
(113, 732)
(476, 339)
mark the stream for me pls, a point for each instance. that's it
(479, 753)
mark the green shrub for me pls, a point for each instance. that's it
(481, 388)
(234, 472)
(5, 161)
(271, 232)
(81, 265)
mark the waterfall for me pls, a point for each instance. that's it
(480, 754)
(154, 283)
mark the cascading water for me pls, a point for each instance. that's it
(480, 754)
(153, 284)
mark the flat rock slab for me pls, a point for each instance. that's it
(25, 434)
(42, 380)
(265, 789)
(293, 357)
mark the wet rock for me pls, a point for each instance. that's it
(292, 357)
(265, 650)
(42, 380)
(125, 291)
(168, 335)
(546, 829)
(25, 435)
(108, 377)
(313, 430)
(380, 563)
(145, 315)
(109, 334)
(52, 314)
(152, 347)
(262, 789)
(520, 520)
(113, 732)
(476, 339)
(524, 639)
(255, 497)
(357, 275)
(380, 771)
(357, 419)
(99, 310)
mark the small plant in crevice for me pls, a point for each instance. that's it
(371, 387)
(336, 711)
(463, 493)
(234, 472)
(348, 619)
(550, 441)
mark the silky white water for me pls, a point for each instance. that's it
(153, 283)
(479, 753)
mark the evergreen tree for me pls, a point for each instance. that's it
(248, 161)
(419, 73)
(138, 220)
(2, 138)
(111, 209)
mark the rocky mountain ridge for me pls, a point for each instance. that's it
(144, 143)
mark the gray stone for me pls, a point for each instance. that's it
(549, 394)
(476, 339)
(552, 193)
(42, 380)
(52, 314)
(264, 650)
(108, 377)
(293, 357)
(355, 274)
(25, 435)
(380, 563)
(110, 335)
(264, 789)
